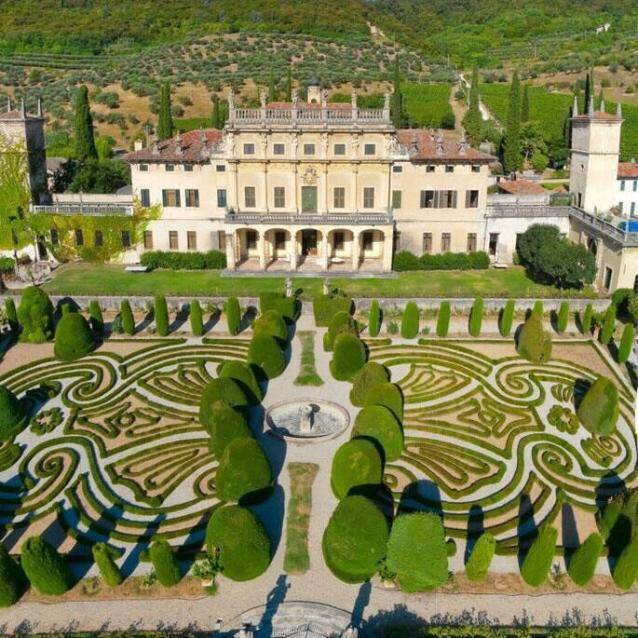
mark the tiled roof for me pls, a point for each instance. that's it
(627, 169)
(423, 144)
(189, 147)
(521, 187)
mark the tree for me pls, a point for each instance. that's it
(233, 315)
(538, 560)
(165, 119)
(512, 158)
(589, 88)
(45, 568)
(13, 415)
(12, 579)
(396, 104)
(480, 558)
(562, 317)
(216, 119)
(35, 314)
(104, 557)
(473, 121)
(410, 321)
(12, 315)
(374, 321)
(598, 409)
(626, 343)
(84, 134)
(506, 318)
(443, 319)
(197, 323)
(128, 320)
(609, 325)
(525, 104)
(584, 560)
(586, 320)
(164, 563)
(74, 338)
(534, 344)
(289, 84)
(161, 315)
(476, 317)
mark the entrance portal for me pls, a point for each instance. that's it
(308, 242)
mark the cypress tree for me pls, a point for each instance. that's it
(216, 119)
(128, 320)
(626, 342)
(562, 317)
(161, 315)
(443, 319)
(589, 88)
(473, 121)
(95, 316)
(609, 325)
(165, 122)
(585, 322)
(84, 135)
(12, 315)
(396, 104)
(525, 104)
(272, 89)
(289, 85)
(512, 157)
(197, 323)
(506, 318)
(374, 324)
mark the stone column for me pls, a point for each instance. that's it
(261, 246)
(388, 245)
(356, 243)
(231, 261)
(324, 251)
(293, 251)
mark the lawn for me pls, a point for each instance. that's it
(307, 372)
(93, 280)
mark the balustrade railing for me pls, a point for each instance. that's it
(357, 218)
(306, 115)
(84, 209)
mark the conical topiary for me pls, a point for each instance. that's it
(13, 416)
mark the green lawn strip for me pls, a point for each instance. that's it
(302, 476)
(307, 373)
(94, 279)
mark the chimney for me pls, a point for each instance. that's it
(463, 144)
(440, 146)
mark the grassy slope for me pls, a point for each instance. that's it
(88, 279)
(426, 104)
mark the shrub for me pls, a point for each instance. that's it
(13, 416)
(417, 552)
(220, 393)
(374, 323)
(126, 314)
(584, 560)
(12, 315)
(95, 317)
(271, 323)
(626, 343)
(587, 319)
(104, 557)
(348, 358)
(369, 375)
(506, 318)
(287, 307)
(540, 556)
(35, 315)
(244, 375)
(562, 317)
(378, 423)
(626, 568)
(478, 564)
(537, 309)
(211, 260)
(164, 563)
(404, 261)
(342, 322)
(197, 321)
(389, 396)
(476, 317)
(243, 470)
(242, 542)
(355, 539)
(265, 353)
(598, 410)
(225, 424)
(12, 579)
(233, 315)
(325, 307)
(534, 344)
(161, 315)
(73, 338)
(410, 321)
(609, 325)
(46, 570)
(356, 462)
(443, 319)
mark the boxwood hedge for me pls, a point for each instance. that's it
(626, 343)
(356, 462)
(584, 560)
(265, 353)
(480, 559)
(598, 410)
(12, 579)
(243, 470)
(46, 570)
(219, 393)
(287, 307)
(342, 322)
(13, 415)
(369, 375)
(417, 552)
(245, 376)
(242, 542)
(540, 556)
(73, 338)
(355, 539)
(378, 423)
(562, 317)
(325, 307)
(12, 315)
(388, 395)
(127, 318)
(164, 563)
(224, 425)
(271, 323)
(348, 358)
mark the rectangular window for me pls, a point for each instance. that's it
(609, 273)
(221, 198)
(397, 169)
(427, 242)
(396, 199)
(249, 197)
(55, 237)
(98, 239)
(449, 168)
(170, 168)
(278, 149)
(192, 198)
(427, 199)
(446, 242)
(340, 149)
(622, 184)
(368, 197)
(339, 197)
(308, 149)
(471, 242)
(635, 185)
(369, 149)
(339, 240)
(476, 168)
(493, 245)
(148, 240)
(220, 168)
(170, 197)
(144, 168)
(191, 240)
(79, 237)
(173, 244)
(126, 239)
(430, 168)
(249, 149)
(188, 168)
(447, 199)
(471, 199)
(280, 197)
(145, 197)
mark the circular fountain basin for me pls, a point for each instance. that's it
(307, 419)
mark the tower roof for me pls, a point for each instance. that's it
(314, 81)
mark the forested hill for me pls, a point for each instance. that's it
(468, 30)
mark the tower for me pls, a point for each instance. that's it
(594, 158)
(27, 130)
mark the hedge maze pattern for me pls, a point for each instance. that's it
(114, 446)
(483, 436)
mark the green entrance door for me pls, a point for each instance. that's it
(308, 199)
